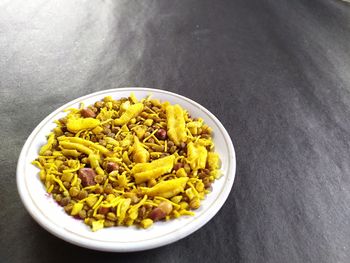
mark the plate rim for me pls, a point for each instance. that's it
(132, 246)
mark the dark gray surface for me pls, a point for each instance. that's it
(276, 73)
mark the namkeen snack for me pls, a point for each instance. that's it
(123, 162)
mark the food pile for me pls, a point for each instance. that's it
(128, 162)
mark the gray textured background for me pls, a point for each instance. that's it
(276, 73)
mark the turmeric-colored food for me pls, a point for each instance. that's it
(176, 124)
(128, 162)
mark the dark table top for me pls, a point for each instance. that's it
(276, 73)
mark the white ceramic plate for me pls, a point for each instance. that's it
(121, 239)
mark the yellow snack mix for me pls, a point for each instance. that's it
(128, 161)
